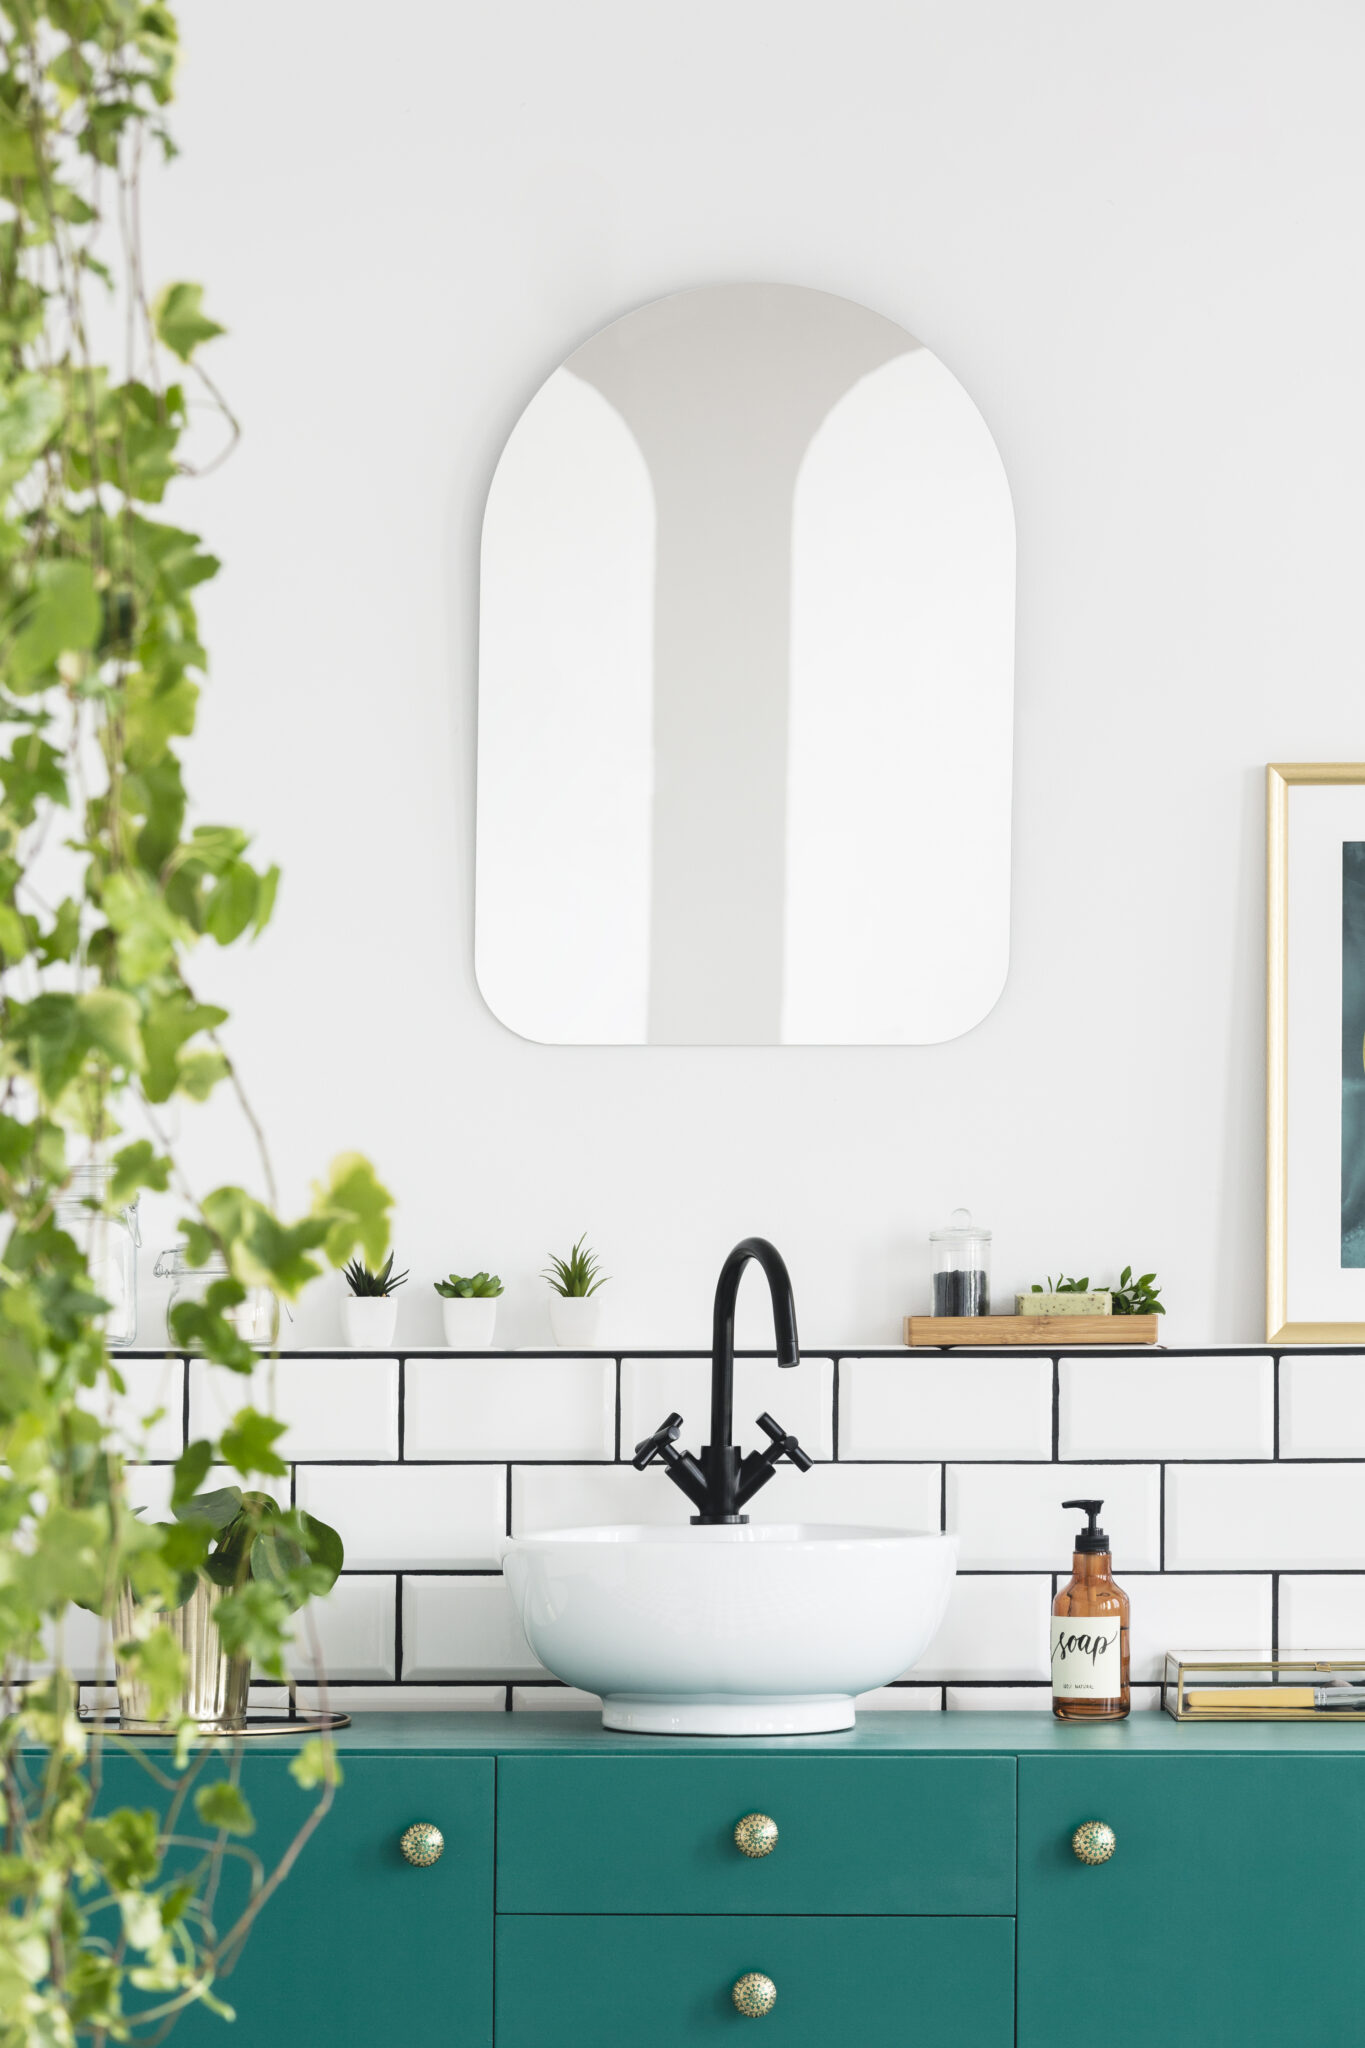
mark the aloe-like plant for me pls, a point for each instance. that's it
(361, 1280)
(479, 1287)
(577, 1276)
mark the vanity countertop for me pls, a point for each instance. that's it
(927, 1734)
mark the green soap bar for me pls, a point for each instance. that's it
(1100, 1302)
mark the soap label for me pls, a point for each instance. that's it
(1087, 1661)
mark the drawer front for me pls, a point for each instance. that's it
(1230, 1912)
(655, 1834)
(357, 1945)
(589, 1982)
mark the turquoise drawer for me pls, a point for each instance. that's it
(654, 1834)
(599, 1983)
(357, 1947)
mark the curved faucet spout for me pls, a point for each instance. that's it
(723, 1326)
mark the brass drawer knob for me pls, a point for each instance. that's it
(756, 1835)
(423, 1844)
(1094, 1841)
(754, 1995)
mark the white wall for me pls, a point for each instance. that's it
(1135, 237)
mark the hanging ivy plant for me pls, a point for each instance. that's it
(106, 889)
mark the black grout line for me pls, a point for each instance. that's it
(943, 1498)
(398, 1630)
(1161, 1520)
(1056, 1409)
(617, 1439)
(402, 1408)
(1275, 1447)
(834, 1425)
(508, 1530)
(185, 1407)
(1274, 1614)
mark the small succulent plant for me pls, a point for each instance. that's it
(577, 1276)
(361, 1280)
(480, 1287)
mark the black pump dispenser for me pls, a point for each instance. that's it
(1090, 1539)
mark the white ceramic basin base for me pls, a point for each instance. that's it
(757, 1629)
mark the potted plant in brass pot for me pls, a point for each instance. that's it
(469, 1309)
(574, 1311)
(224, 1541)
(369, 1313)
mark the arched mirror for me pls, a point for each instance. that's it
(746, 687)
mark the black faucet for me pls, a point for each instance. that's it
(721, 1480)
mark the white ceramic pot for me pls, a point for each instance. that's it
(573, 1320)
(369, 1321)
(743, 1629)
(469, 1321)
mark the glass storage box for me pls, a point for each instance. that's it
(1251, 1685)
(257, 1319)
(960, 1256)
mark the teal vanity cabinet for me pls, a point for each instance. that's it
(1231, 1912)
(358, 1946)
(592, 1894)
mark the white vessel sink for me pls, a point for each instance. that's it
(768, 1629)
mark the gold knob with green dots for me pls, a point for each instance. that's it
(423, 1844)
(754, 1995)
(756, 1835)
(1094, 1841)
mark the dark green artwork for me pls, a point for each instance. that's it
(1353, 1053)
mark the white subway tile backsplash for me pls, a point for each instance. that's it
(1323, 1613)
(463, 1628)
(1264, 1516)
(994, 1628)
(421, 1515)
(554, 1699)
(510, 1408)
(1191, 1611)
(1322, 1407)
(1004, 1699)
(800, 1398)
(1011, 1516)
(334, 1407)
(945, 1407)
(354, 1627)
(403, 1699)
(998, 1699)
(151, 1385)
(149, 1488)
(1150, 1407)
(901, 1699)
(574, 1496)
(882, 1496)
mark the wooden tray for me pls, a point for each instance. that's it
(1049, 1331)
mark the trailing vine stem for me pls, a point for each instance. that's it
(118, 1915)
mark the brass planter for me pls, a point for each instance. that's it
(215, 1691)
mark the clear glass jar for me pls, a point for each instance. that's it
(110, 1245)
(960, 1256)
(257, 1319)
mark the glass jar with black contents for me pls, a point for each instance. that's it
(960, 1255)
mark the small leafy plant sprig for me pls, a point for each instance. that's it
(577, 1276)
(362, 1281)
(1140, 1297)
(479, 1287)
(251, 1537)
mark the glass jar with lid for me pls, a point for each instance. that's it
(109, 1242)
(960, 1255)
(257, 1319)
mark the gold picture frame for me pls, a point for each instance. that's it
(1281, 777)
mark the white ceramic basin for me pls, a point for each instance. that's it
(752, 1629)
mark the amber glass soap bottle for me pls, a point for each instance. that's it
(1090, 1631)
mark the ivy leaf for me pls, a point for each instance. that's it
(138, 1165)
(63, 616)
(316, 1764)
(223, 1806)
(180, 320)
(356, 1207)
(30, 413)
(191, 1470)
(231, 903)
(109, 1017)
(159, 1662)
(247, 1444)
